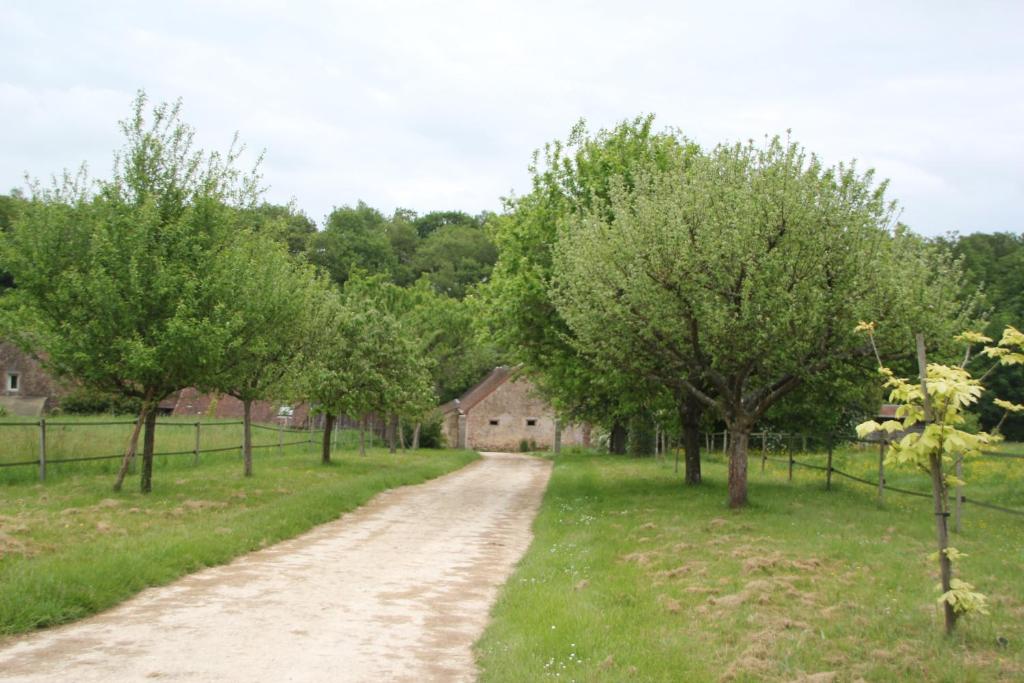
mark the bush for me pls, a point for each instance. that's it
(84, 401)
(430, 432)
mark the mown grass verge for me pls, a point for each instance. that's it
(632, 576)
(70, 547)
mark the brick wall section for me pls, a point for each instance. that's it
(193, 403)
(33, 381)
(511, 405)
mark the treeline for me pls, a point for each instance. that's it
(172, 273)
(648, 285)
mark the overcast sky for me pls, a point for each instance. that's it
(438, 105)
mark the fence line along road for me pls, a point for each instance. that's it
(42, 461)
(780, 438)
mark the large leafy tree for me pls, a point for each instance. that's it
(354, 238)
(453, 258)
(274, 305)
(112, 278)
(569, 178)
(747, 268)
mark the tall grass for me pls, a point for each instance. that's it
(634, 576)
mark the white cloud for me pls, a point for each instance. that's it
(439, 105)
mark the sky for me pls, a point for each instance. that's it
(440, 105)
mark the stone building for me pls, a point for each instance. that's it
(27, 389)
(505, 413)
(190, 402)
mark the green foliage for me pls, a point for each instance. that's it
(521, 315)
(285, 223)
(455, 257)
(996, 263)
(744, 268)
(84, 401)
(353, 238)
(937, 406)
(112, 278)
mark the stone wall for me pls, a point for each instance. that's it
(512, 414)
(33, 381)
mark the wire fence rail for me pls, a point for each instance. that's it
(45, 427)
(771, 442)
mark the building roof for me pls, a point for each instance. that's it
(487, 385)
(23, 406)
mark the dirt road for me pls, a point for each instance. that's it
(396, 591)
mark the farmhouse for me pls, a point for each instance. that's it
(27, 389)
(504, 413)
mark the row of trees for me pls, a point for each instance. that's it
(171, 274)
(644, 275)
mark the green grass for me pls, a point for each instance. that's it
(633, 576)
(71, 547)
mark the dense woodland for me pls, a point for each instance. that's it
(646, 284)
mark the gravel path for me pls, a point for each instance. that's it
(397, 590)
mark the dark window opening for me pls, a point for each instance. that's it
(494, 423)
(531, 422)
(12, 381)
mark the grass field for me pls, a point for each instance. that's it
(633, 576)
(70, 547)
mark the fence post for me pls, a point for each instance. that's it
(881, 473)
(790, 452)
(828, 468)
(725, 441)
(42, 449)
(280, 438)
(959, 492)
(764, 452)
(195, 453)
(803, 448)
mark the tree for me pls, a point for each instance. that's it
(435, 220)
(521, 316)
(366, 363)
(273, 303)
(455, 257)
(406, 355)
(112, 278)
(995, 263)
(928, 434)
(746, 268)
(353, 238)
(284, 222)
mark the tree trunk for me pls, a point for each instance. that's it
(739, 437)
(416, 436)
(392, 433)
(691, 411)
(247, 437)
(362, 436)
(130, 449)
(146, 484)
(641, 435)
(325, 455)
(617, 439)
(401, 435)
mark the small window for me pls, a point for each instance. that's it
(531, 422)
(494, 423)
(13, 381)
